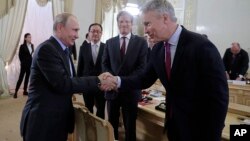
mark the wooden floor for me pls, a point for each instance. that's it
(10, 116)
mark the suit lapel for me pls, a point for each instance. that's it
(100, 53)
(129, 48)
(27, 50)
(89, 51)
(61, 54)
(178, 53)
(32, 47)
(117, 52)
(160, 60)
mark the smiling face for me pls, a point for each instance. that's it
(95, 33)
(124, 24)
(156, 25)
(68, 33)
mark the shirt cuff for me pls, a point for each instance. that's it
(118, 82)
(241, 76)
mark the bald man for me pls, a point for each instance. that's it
(236, 62)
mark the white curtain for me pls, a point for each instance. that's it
(5, 6)
(10, 30)
(109, 10)
(57, 7)
(60, 6)
(39, 23)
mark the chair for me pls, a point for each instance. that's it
(89, 127)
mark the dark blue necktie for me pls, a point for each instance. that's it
(72, 69)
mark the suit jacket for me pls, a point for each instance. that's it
(25, 56)
(240, 65)
(86, 66)
(48, 113)
(197, 94)
(134, 62)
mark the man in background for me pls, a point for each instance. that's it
(236, 62)
(90, 64)
(124, 55)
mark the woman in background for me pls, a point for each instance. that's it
(25, 55)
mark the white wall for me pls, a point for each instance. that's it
(224, 21)
(84, 10)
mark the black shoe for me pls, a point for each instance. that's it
(15, 95)
(25, 93)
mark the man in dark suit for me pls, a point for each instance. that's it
(124, 55)
(48, 114)
(25, 55)
(90, 64)
(190, 68)
(236, 62)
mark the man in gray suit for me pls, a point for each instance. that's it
(124, 55)
(48, 114)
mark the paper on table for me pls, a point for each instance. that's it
(246, 121)
(236, 82)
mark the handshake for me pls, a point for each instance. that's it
(108, 82)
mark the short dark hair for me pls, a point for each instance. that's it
(86, 35)
(93, 24)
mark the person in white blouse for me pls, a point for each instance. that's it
(25, 55)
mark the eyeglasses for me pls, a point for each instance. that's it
(96, 31)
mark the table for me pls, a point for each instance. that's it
(150, 122)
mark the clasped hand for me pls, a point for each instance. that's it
(108, 81)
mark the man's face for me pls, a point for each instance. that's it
(95, 33)
(235, 49)
(125, 24)
(69, 32)
(155, 26)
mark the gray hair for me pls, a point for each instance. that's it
(161, 6)
(122, 13)
(61, 19)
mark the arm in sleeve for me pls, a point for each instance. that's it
(142, 80)
(214, 82)
(245, 62)
(53, 69)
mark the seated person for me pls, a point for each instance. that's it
(236, 62)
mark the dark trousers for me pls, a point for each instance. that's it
(95, 98)
(129, 113)
(24, 71)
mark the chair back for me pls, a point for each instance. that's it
(89, 127)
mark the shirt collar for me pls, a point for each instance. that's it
(127, 36)
(175, 37)
(61, 44)
(98, 43)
